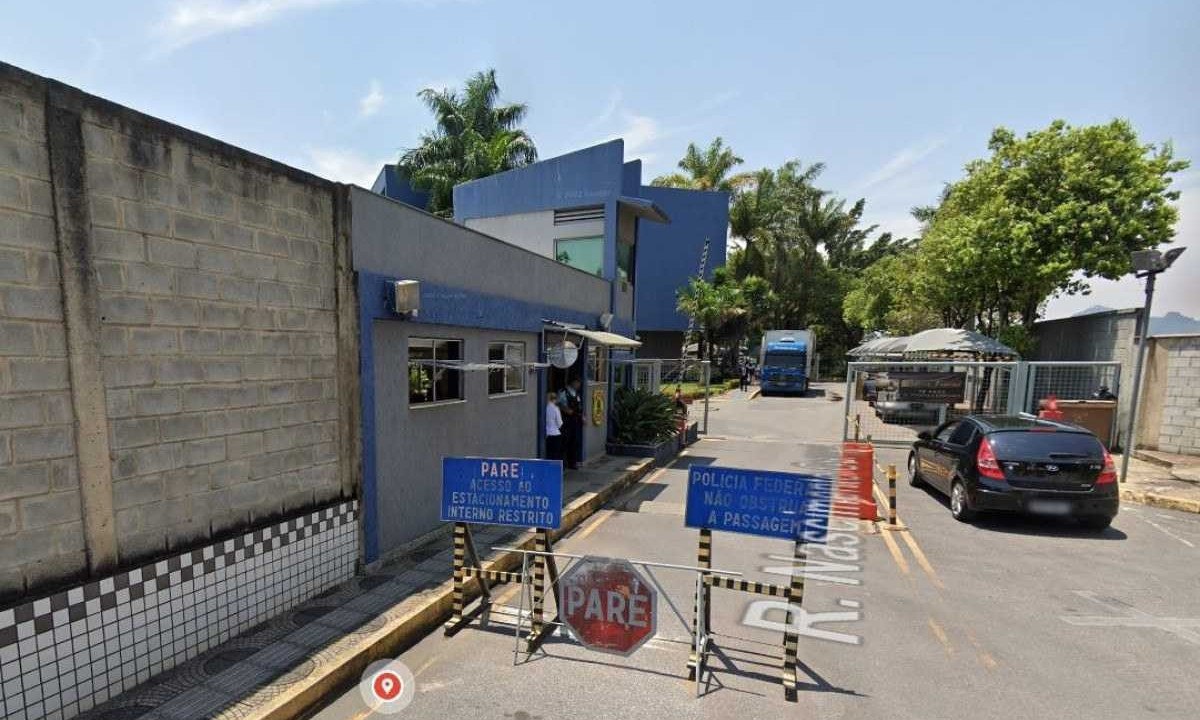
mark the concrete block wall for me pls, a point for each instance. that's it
(41, 528)
(1179, 426)
(172, 376)
(216, 294)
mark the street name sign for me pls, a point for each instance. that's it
(502, 491)
(791, 506)
(607, 605)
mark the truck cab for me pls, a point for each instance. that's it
(784, 362)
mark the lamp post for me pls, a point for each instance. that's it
(1147, 264)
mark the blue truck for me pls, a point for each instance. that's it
(785, 361)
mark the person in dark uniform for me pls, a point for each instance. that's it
(744, 378)
(570, 402)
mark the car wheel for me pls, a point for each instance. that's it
(914, 474)
(959, 507)
(1096, 522)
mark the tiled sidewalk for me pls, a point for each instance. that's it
(230, 680)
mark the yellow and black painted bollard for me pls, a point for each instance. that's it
(891, 478)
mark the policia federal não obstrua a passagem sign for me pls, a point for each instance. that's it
(520, 492)
(791, 506)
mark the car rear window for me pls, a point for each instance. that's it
(1029, 444)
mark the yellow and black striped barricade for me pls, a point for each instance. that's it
(792, 594)
(782, 505)
(517, 492)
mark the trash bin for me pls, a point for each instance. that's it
(1095, 415)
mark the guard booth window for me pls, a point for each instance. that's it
(597, 366)
(429, 381)
(510, 379)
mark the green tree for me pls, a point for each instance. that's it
(473, 137)
(719, 309)
(1042, 215)
(887, 296)
(707, 169)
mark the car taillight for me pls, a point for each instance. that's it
(1109, 473)
(985, 460)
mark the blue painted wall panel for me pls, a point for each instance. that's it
(590, 176)
(669, 255)
(391, 183)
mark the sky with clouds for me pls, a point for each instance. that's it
(893, 97)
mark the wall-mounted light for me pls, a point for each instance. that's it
(407, 297)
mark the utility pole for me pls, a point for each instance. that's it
(1147, 264)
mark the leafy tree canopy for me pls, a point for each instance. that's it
(473, 136)
(1038, 217)
(707, 169)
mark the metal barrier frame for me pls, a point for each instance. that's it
(530, 586)
(1022, 381)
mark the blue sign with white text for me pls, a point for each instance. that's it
(784, 505)
(502, 491)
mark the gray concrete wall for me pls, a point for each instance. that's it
(392, 238)
(595, 436)
(412, 440)
(167, 359)
(1107, 336)
(1170, 419)
(41, 518)
(534, 231)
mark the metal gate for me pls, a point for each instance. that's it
(890, 402)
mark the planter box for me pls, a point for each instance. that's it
(662, 452)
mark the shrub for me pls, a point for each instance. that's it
(642, 417)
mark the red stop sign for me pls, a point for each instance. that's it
(607, 605)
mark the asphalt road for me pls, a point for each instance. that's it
(1006, 618)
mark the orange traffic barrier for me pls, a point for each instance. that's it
(857, 471)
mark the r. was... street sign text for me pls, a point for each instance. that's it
(502, 491)
(784, 505)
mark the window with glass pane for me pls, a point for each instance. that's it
(514, 375)
(428, 380)
(598, 364)
(625, 261)
(495, 376)
(586, 254)
(511, 378)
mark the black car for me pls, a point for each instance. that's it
(1017, 464)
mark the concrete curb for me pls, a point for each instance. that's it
(1161, 501)
(756, 393)
(408, 622)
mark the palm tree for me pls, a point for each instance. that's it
(707, 170)
(473, 137)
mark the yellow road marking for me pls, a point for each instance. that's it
(985, 658)
(940, 633)
(425, 667)
(922, 560)
(597, 522)
(896, 554)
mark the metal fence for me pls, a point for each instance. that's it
(891, 402)
(663, 375)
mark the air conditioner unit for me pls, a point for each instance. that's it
(407, 297)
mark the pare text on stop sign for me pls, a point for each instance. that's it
(609, 606)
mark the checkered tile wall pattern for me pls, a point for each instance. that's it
(63, 654)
